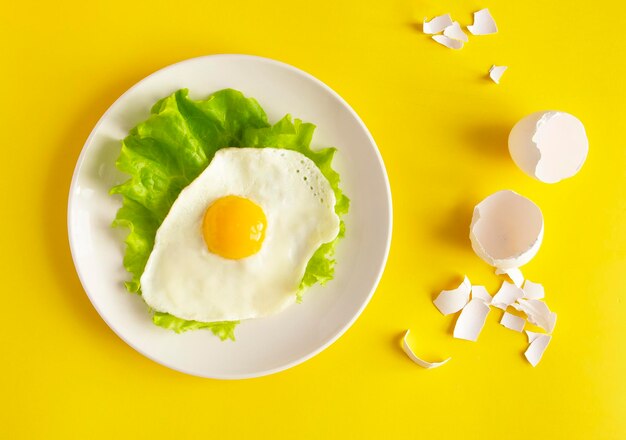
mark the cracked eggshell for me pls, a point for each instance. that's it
(419, 361)
(549, 145)
(496, 72)
(455, 32)
(480, 292)
(484, 24)
(451, 301)
(512, 322)
(515, 275)
(450, 43)
(471, 320)
(538, 344)
(507, 295)
(506, 230)
(533, 290)
(437, 24)
(538, 313)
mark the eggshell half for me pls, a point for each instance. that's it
(506, 230)
(549, 145)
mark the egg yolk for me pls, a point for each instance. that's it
(234, 227)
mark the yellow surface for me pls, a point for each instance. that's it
(441, 127)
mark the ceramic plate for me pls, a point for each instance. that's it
(267, 345)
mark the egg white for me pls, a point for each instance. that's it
(183, 278)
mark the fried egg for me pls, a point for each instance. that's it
(236, 242)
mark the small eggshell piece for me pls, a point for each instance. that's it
(533, 290)
(532, 335)
(512, 322)
(538, 313)
(537, 347)
(451, 301)
(481, 293)
(448, 42)
(437, 24)
(514, 274)
(484, 24)
(507, 295)
(455, 32)
(471, 320)
(496, 72)
(421, 362)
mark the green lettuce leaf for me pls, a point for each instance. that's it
(173, 146)
(223, 329)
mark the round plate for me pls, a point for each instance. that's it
(267, 345)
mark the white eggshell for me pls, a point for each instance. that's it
(512, 322)
(496, 72)
(506, 230)
(419, 361)
(451, 301)
(484, 24)
(471, 321)
(455, 32)
(549, 145)
(538, 344)
(450, 43)
(437, 24)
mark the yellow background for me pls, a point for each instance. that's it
(441, 128)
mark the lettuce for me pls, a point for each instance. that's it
(173, 146)
(223, 329)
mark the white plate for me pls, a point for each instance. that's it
(267, 345)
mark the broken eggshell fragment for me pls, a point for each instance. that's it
(450, 43)
(455, 32)
(437, 24)
(507, 295)
(549, 145)
(472, 319)
(506, 230)
(514, 274)
(538, 313)
(451, 301)
(419, 361)
(484, 24)
(512, 322)
(496, 72)
(538, 343)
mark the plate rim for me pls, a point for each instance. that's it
(389, 232)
